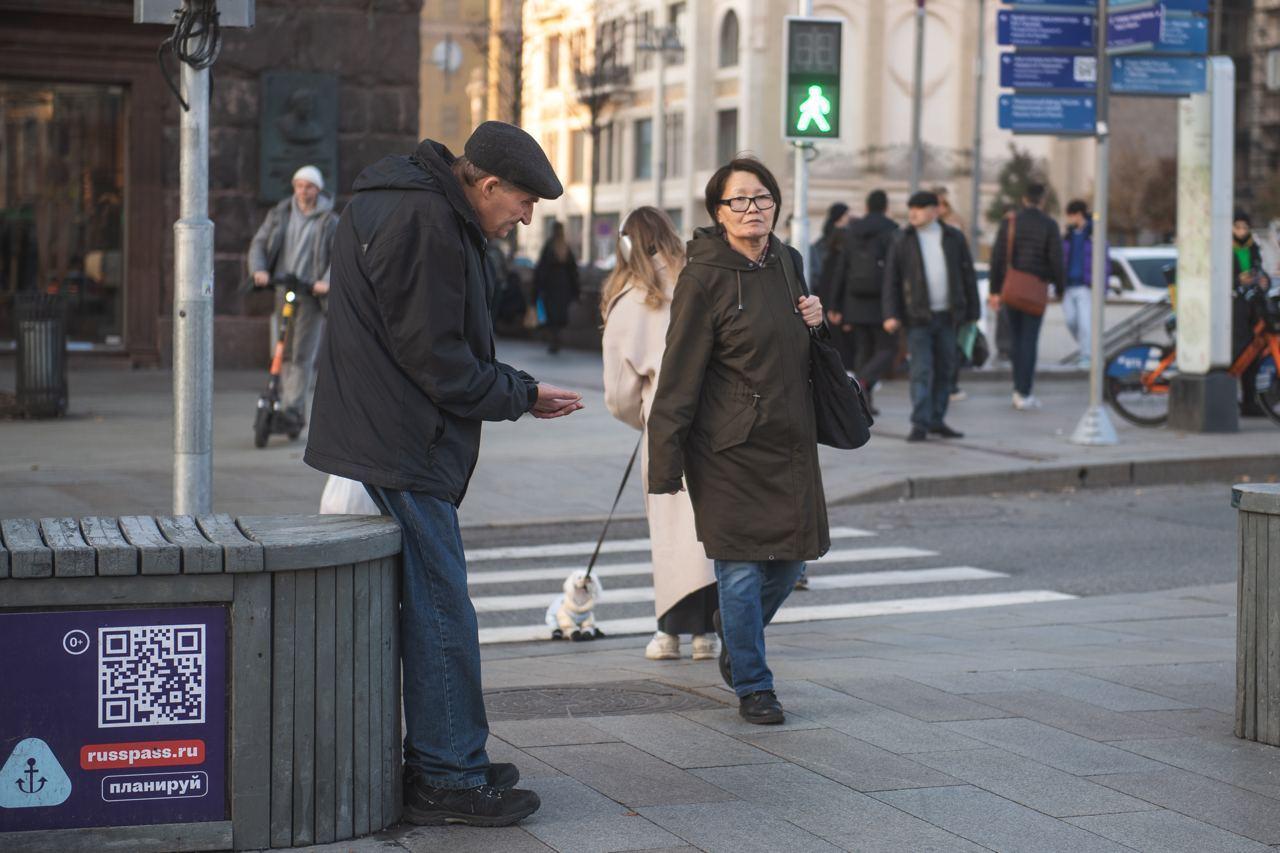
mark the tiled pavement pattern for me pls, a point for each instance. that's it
(1097, 724)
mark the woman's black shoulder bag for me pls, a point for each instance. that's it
(840, 409)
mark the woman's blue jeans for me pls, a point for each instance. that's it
(445, 724)
(750, 594)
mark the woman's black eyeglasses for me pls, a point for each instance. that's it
(742, 203)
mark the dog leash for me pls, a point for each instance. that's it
(621, 487)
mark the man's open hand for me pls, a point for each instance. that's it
(555, 402)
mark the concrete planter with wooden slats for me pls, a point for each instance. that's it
(1258, 613)
(313, 693)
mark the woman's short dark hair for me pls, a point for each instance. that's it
(1078, 205)
(715, 186)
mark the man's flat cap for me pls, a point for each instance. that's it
(505, 151)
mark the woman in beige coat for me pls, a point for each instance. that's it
(636, 304)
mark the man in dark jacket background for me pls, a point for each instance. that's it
(859, 288)
(1037, 249)
(407, 373)
(930, 288)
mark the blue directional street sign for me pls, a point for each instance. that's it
(1061, 5)
(1183, 34)
(1056, 114)
(1198, 6)
(1158, 75)
(1030, 71)
(1044, 29)
(1135, 30)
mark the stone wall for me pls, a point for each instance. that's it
(373, 45)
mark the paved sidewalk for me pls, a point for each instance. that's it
(112, 455)
(1098, 724)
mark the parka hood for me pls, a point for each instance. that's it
(429, 169)
(710, 247)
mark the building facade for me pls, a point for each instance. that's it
(722, 95)
(89, 153)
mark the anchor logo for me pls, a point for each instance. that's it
(30, 773)
(32, 777)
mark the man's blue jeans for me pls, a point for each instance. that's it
(750, 594)
(933, 367)
(1026, 339)
(445, 723)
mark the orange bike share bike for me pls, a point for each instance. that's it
(1137, 377)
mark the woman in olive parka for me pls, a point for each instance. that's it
(733, 417)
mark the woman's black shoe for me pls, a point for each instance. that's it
(483, 805)
(726, 671)
(761, 708)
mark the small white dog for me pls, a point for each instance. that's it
(570, 616)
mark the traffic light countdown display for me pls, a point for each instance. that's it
(812, 87)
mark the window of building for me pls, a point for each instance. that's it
(573, 234)
(62, 203)
(729, 40)
(676, 215)
(610, 43)
(577, 156)
(577, 49)
(644, 35)
(674, 132)
(677, 17)
(551, 147)
(726, 136)
(610, 155)
(553, 62)
(643, 149)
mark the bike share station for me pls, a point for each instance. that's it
(197, 681)
(1062, 77)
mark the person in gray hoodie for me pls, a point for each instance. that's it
(295, 239)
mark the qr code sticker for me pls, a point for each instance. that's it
(151, 675)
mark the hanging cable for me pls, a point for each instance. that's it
(196, 40)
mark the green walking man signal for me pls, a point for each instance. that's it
(811, 89)
(814, 111)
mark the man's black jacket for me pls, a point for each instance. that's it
(406, 372)
(1037, 249)
(906, 291)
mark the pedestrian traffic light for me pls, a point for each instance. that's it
(811, 89)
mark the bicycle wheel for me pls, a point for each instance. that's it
(1266, 388)
(1130, 387)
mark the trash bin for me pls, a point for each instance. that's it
(40, 332)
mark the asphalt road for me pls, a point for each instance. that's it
(910, 556)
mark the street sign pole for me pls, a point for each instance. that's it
(193, 308)
(800, 213)
(1095, 428)
(980, 73)
(917, 101)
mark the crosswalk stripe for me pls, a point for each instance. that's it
(618, 570)
(813, 613)
(619, 546)
(631, 595)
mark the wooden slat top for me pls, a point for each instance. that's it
(72, 556)
(317, 541)
(240, 554)
(29, 557)
(1257, 497)
(168, 545)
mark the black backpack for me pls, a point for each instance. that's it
(864, 263)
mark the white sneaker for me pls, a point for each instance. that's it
(958, 395)
(1026, 403)
(705, 646)
(663, 647)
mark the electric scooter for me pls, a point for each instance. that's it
(270, 419)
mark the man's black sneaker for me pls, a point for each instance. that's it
(761, 708)
(483, 805)
(726, 671)
(917, 434)
(503, 775)
(946, 432)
